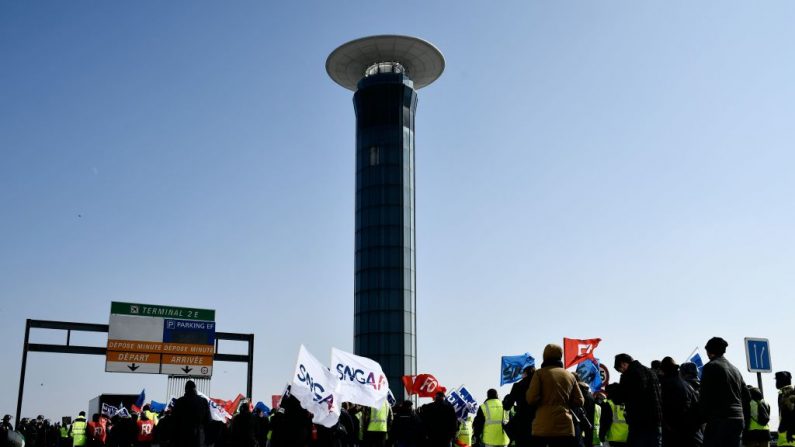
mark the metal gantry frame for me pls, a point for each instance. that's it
(69, 348)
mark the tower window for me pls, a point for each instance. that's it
(375, 155)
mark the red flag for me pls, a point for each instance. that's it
(231, 406)
(423, 385)
(576, 351)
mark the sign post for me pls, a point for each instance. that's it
(152, 339)
(757, 355)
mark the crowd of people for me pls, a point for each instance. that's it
(663, 405)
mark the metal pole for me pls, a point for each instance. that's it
(250, 381)
(759, 381)
(22, 372)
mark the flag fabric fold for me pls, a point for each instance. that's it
(139, 403)
(362, 381)
(578, 350)
(589, 372)
(316, 388)
(512, 366)
(422, 385)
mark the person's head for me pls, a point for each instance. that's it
(95, 417)
(492, 394)
(756, 393)
(716, 347)
(655, 365)
(407, 405)
(244, 407)
(144, 416)
(668, 367)
(146, 408)
(622, 362)
(438, 397)
(613, 391)
(553, 353)
(190, 387)
(528, 371)
(82, 413)
(783, 378)
(689, 371)
(6, 418)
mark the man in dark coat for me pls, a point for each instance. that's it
(682, 426)
(243, 428)
(725, 401)
(406, 429)
(291, 426)
(191, 414)
(642, 397)
(439, 421)
(519, 428)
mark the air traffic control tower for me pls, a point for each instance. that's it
(385, 73)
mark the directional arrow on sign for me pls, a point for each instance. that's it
(133, 367)
(187, 370)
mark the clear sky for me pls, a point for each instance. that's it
(615, 169)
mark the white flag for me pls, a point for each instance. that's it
(362, 381)
(316, 388)
(217, 413)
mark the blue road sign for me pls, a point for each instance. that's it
(757, 354)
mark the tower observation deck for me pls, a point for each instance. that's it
(385, 73)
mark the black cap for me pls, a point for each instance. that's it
(783, 375)
(716, 345)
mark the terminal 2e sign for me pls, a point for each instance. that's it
(145, 338)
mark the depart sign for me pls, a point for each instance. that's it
(145, 338)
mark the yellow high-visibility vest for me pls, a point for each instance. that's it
(619, 429)
(597, 414)
(378, 418)
(755, 416)
(464, 434)
(79, 432)
(495, 415)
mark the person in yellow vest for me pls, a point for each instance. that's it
(786, 409)
(63, 431)
(378, 425)
(488, 424)
(464, 436)
(78, 430)
(150, 415)
(757, 432)
(613, 427)
(599, 398)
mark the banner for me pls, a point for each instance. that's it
(316, 388)
(468, 398)
(512, 367)
(139, 403)
(459, 404)
(576, 350)
(109, 410)
(217, 411)
(589, 372)
(362, 381)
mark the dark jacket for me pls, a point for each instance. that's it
(191, 414)
(519, 428)
(786, 408)
(406, 427)
(439, 422)
(723, 392)
(681, 419)
(642, 397)
(291, 426)
(243, 430)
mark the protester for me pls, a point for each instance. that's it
(554, 392)
(724, 398)
(519, 428)
(97, 436)
(642, 397)
(786, 409)
(145, 433)
(378, 421)
(681, 427)
(5, 429)
(757, 432)
(440, 422)
(584, 416)
(78, 430)
(243, 428)
(465, 435)
(191, 414)
(489, 421)
(613, 427)
(689, 372)
(406, 428)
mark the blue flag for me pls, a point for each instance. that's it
(588, 372)
(157, 407)
(696, 359)
(264, 408)
(139, 403)
(472, 403)
(459, 404)
(512, 367)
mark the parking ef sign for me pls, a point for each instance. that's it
(757, 354)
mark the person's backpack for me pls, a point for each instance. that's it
(763, 413)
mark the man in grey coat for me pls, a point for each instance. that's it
(725, 400)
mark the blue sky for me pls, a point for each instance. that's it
(584, 169)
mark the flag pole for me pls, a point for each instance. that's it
(687, 359)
